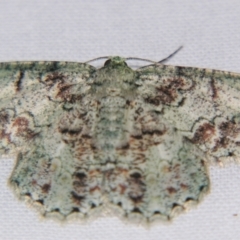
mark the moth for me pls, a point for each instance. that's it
(139, 141)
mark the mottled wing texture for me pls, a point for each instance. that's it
(40, 122)
(180, 120)
(186, 118)
(139, 141)
(203, 106)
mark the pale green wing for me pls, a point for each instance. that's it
(203, 105)
(181, 120)
(143, 137)
(32, 96)
(41, 107)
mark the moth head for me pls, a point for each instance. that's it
(115, 62)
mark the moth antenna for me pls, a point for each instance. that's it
(96, 59)
(140, 59)
(171, 55)
(161, 61)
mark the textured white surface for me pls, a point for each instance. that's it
(81, 30)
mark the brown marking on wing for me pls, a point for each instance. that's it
(167, 92)
(128, 184)
(123, 189)
(136, 187)
(4, 120)
(53, 78)
(147, 131)
(139, 110)
(85, 185)
(4, 134)
(203, 133)
(64, 88)
(151, 125)
(17, 83)
(184, 186)
(80, 183)
(23, 129)
(77, 199)
(93, 176)
(46, 187)
(65, 93)
(70, 130)
(171, 190)
(21, 123)
(75, 127)
(228, 130)
(214, 89)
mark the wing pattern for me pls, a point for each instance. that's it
(139, 141)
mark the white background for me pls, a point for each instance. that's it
(81, 30)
